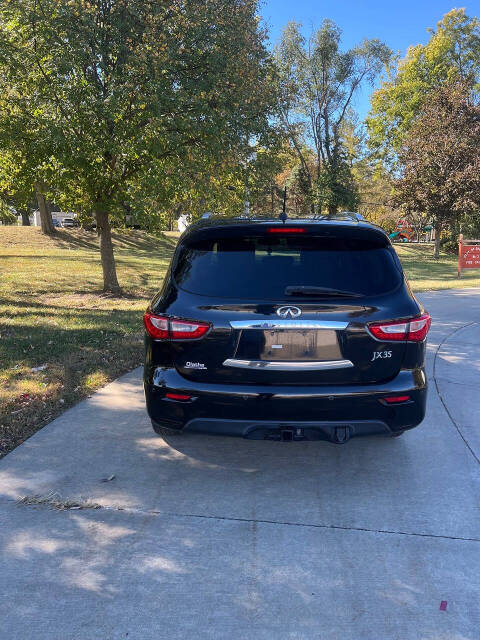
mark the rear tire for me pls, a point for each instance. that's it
(163, 430)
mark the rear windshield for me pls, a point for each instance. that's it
(263, 267)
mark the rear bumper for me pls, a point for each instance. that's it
(260, 412)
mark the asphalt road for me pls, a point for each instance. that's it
(203, 537)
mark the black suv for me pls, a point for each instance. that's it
(299, 329)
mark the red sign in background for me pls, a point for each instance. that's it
(468, 255)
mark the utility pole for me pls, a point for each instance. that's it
(251, 158)
(247, 198)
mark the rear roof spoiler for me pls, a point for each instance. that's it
(245, 227)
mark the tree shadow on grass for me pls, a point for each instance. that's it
(140, 241)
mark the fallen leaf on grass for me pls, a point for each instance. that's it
(40, 368)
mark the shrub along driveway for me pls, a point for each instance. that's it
(124, 535)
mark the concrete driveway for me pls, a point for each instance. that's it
(203, 537)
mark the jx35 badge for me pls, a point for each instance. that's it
(377, 355)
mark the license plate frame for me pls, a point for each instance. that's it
(285, 345)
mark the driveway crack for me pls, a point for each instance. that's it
(287, 523)
(146, 513)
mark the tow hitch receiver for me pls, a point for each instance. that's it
(287, 434)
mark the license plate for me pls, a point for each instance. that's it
(285, 345)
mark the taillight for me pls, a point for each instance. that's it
(411, 330)
(396, 399)
(419, 328)
(286, 230)
(181, 397)
(156, 326)
(186, 330)
(389, 330)
(165, 328)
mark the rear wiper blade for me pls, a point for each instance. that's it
(301, 290)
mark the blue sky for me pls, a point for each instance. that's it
(398, 23)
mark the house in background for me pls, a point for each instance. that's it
(57, 216)
(183, 222)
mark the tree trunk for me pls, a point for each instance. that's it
(332, 209)
(45, 213)
(438, 229)
(110, 281)
(25, 218)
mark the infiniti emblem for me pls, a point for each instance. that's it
(289, 312)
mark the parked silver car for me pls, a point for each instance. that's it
(69, 222)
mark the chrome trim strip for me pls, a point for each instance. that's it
(288, 366)
(288, 324)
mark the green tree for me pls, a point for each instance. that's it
(7, 216)
(317, 83)
(453, 52)
(441, 175)
(373, 183)
(120, 85)
(12, 189)
(299, 194)
(26, 166)
(211, 183)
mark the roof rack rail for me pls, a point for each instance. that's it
(353, 214)
(340, 215)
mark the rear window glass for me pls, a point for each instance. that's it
(263, 267)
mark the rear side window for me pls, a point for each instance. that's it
(263, 267)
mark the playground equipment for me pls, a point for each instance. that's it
(399, 236)
(403, 232)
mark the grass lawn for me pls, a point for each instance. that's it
(425, 273)
(54, 318)
(53, 315)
